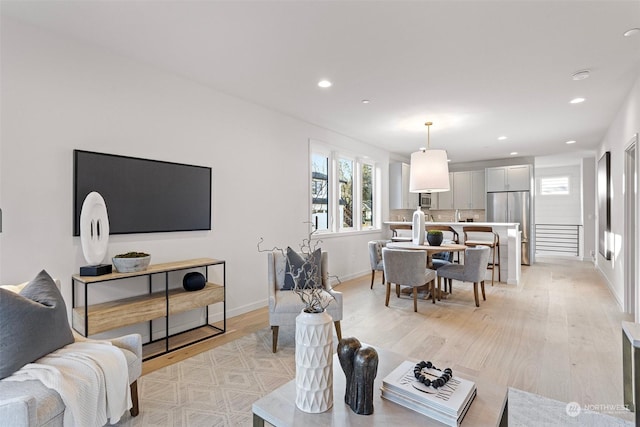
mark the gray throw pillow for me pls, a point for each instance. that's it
(33, 323)
(310, 277)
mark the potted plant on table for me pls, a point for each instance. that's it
(434, 237)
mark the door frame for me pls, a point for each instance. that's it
(631, 231)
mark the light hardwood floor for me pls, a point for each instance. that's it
(556, 334)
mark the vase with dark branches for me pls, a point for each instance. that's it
(307, 277)
(314, 338)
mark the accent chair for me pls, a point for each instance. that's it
(285, 305)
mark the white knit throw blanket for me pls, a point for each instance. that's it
(91, 378)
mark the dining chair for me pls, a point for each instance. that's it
(405, 267)
(375, 257)
(484, 236)
(473, 270)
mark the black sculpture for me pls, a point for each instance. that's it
(360, 366)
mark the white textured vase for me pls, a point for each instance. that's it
(314, 362)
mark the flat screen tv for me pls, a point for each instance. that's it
(142, 195)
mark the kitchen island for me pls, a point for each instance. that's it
(510, 243)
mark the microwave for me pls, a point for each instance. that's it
(425, 200)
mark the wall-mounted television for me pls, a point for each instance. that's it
(143, 195)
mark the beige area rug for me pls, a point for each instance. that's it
(218, 387)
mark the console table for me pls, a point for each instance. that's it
(278, 408)
(89, 319)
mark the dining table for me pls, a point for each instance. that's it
(431, 250)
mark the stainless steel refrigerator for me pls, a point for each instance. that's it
(513, 206)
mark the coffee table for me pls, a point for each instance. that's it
(278, 408)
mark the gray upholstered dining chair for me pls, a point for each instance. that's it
(473, 270)
(407, 268)
(375, 257)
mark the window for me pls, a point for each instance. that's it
(343, 192)
(319, 191)
(345, 180)
(556, 185)
(367, 196)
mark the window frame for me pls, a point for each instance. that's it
(340, 157)
(374, 191)
(334, 155)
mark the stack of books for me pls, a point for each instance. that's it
(447, 404)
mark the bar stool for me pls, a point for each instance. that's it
(492, 241)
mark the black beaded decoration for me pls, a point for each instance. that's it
(439, 382)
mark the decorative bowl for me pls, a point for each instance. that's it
(131, 264)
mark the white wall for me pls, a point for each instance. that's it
(589, 208)
(625, 124)
(60, 94)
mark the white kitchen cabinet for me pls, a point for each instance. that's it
(399, 195)
(468, 190)
(461, 190)
(443, 199)
(509, 178)
(478, 192)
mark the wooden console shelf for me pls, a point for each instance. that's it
(90, 319)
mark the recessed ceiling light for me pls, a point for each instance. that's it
(513, 153)
(580, 75)
(632, 32)
(576, 100)
(324, 83)
(448, 160)
(365, 101)
(570, 142)
(502, 138)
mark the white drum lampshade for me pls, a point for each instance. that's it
(429, 174)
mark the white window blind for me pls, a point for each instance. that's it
(557, 185)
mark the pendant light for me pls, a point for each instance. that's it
(429, 174)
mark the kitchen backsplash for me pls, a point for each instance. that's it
(477, 215)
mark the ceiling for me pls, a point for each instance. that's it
(478, 70)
